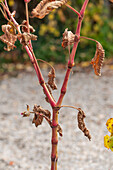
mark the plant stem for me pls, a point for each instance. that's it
(89, 39)
(73, 9)
(40, 77)
(27, 18)
(55, 107)
(64, 86)
(80, 18)
(54, 141)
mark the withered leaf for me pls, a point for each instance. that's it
(45, 7)
(39, 114)
(8, 37)
(51, 79)
(25, 28)
(37, 120)
(59, 130)
(39, 109)
(26, 37)
(68, 38)
(97, 61)
(81, 123)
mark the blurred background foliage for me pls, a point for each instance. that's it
(97, 24)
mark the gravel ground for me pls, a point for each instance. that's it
(25, 147)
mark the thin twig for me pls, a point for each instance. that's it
(70, 107)
(73, 9)
(87, 38)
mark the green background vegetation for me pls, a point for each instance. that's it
(97, 24)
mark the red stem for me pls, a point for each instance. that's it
(72, 55)
(40, 77)
(35, 64)
(73, 9)
(54, 154)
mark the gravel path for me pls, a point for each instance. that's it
(25, 147)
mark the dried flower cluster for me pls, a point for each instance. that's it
(68, 38)
(9, 37)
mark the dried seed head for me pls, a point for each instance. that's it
(45, 7)
(26, 37)
(68, 38)
(51, 79)
(8, 37)
(26, 113)
(98, 59)
(81, 124)
(25, 28)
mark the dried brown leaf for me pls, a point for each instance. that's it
(81, 123)
(39, 114)
(37, 120)
(98, 59)
(26, 37)
(9, 37)
(68, 38)
(45, 7)
(25, 28)
(59, 130)
(51, 79)
(39, 109)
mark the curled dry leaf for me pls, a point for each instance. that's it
(25, 28)
(59, 130)
(68, 38)
(51, 79)
(38, 118)
(97, 61)
(41, 110)
(39, 114)
(45, 7)
(81, 124)
(26, 37)
(46, 98)
(9, 37)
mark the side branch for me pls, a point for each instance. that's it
(64, 86)
(40, 77)
(34, 61)
(72, 55)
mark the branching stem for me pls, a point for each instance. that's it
(70, 107)
(73, 9)
(55, 106)
(88, 38)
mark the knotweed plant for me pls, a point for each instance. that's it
(24, 33)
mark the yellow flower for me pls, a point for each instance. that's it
(108, 140)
